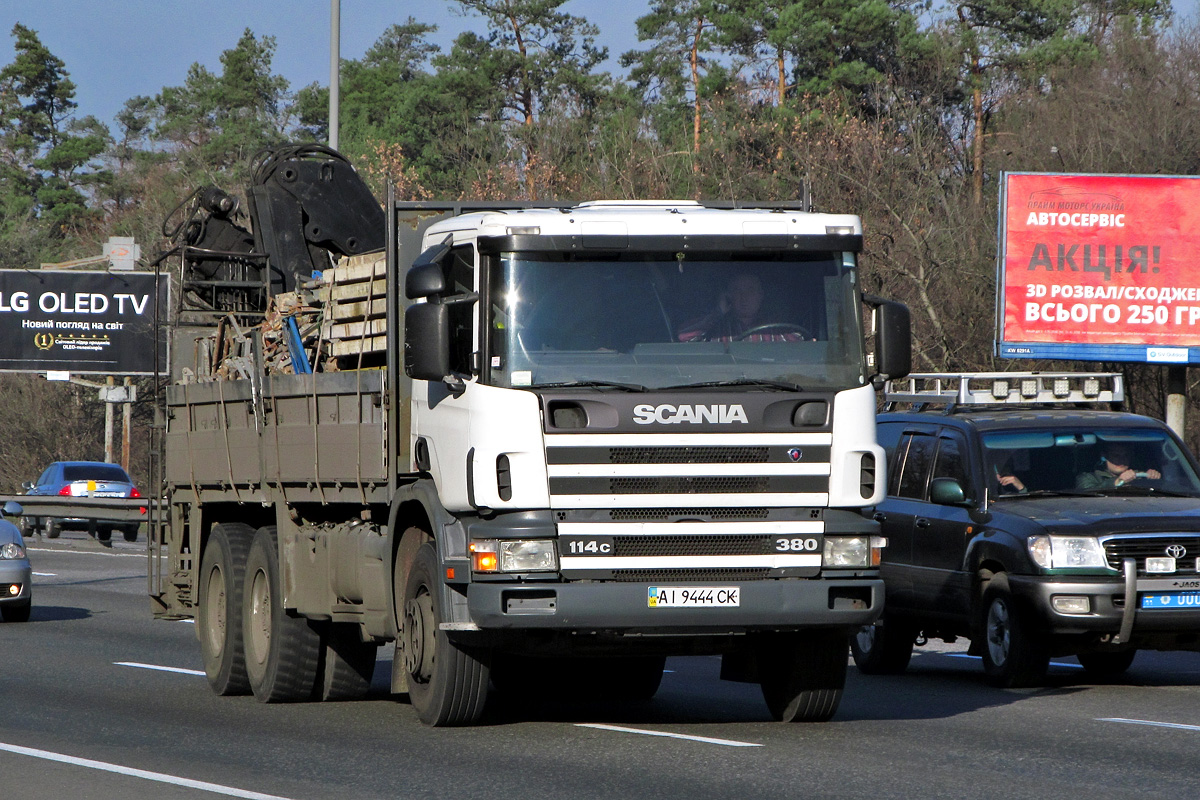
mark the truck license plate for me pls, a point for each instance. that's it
(1173, 600)
(694, 597)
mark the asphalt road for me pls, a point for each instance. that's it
(98, 700)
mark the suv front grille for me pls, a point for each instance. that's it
(1118, 549)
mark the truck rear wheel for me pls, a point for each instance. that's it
(219, 614)
(348, 663)
(281, 650)
(884, 648)
(447, 682)
(803, 674)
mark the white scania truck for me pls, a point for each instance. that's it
(559, 471)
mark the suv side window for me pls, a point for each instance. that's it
(950, 462)
(917, 459)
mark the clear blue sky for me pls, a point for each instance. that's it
(117, 49)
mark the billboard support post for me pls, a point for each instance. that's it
(108, 427)
(1176, 398)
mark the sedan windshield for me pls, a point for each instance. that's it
(665, 320)
(1094, 460)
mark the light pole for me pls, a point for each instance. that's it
(335, 58)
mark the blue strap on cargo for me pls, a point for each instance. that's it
(296, 348)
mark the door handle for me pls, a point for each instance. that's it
(921, 522)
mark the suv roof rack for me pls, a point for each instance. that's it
(1004, 388)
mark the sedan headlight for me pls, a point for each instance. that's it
(853, 551)
(514, 555)
(1067, 552)
(12, 550)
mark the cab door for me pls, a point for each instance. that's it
(941, 531)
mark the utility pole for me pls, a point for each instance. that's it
(335, 59)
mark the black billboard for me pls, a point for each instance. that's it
(82, 322)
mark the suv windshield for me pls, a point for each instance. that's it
(666, 319)
(1092, 460)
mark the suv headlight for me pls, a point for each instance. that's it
(853, 551)
(12, 550)
(514, 555)
(1067, 552)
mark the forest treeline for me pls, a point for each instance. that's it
(904, 112)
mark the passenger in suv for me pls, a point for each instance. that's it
(1054, 569)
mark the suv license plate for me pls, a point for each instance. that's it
(694, 597)
(1174, 600)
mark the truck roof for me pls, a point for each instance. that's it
(648, 218)
(986, 418)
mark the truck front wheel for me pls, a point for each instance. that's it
(803, 674)
(447, 682)
(282, 651)
(219, 615)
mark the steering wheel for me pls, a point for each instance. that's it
(781, 327)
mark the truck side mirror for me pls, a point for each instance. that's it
(893, 340)
(424, 280)
(427, 341)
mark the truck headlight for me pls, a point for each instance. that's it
(514, 555)
(12, 550)
(853, 551)
(1067, 552)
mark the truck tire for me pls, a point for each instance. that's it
(1014, 653)
(447, 682)
(282, 651)
(802, 674)
(884, 648)
(219, 613)
(53, 528)
(1107, 665)
(16, 612)
(130, 534)
(348, 663)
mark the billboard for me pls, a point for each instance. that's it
(82, 322)
(1099, 268)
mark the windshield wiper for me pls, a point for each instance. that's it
(628, 387)
(790, 387)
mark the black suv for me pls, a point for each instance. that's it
(1019, 516)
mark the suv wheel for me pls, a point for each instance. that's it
(884, 648)
(1015, 654)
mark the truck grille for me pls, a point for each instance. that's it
(1118, 549)
(673, 514)
(686, 575)
(693, 545)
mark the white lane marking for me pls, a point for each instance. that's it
(160, 777)
(1150, 722)
(965, 655)
(704, 739)
(45, 574)
(180, 670)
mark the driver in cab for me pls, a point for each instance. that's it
(738, 318)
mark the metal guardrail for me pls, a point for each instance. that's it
(113, 509)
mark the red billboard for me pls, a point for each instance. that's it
(1099, 267)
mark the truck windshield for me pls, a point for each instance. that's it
(665, 320)
(1092, 460)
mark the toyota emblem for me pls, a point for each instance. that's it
(1176, 551)
(795, 454)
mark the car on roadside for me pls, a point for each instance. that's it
(83, 479)
(1022, 516)
(16, 574)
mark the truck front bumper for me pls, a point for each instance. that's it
(764, 604)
